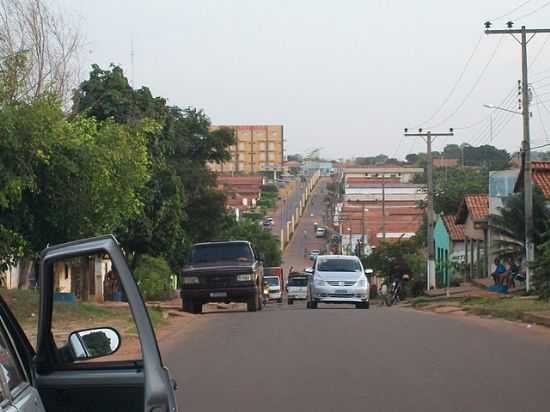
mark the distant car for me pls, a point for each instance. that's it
(338, 279)
(314, 253)
(275, 288)
(268, 220)
(320, 232)
(296, 288)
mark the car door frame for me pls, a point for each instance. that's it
(158, 385)
(24, 397)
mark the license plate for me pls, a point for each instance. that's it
(218, 294)
(341, 292)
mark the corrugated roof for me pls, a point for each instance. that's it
(456, 231)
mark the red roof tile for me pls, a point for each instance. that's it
(456, 231)
(445, 162)
(477, 206)
(540, 173)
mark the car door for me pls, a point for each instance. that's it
(68, 385)
(16, 391)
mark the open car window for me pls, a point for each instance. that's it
(88, 295)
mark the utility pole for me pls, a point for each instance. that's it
(428, 137)
(383, 208)
(526, 144)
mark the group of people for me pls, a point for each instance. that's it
(507, 273)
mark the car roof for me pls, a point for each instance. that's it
(219, 242)
(341, 257)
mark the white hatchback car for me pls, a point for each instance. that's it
(338, 279)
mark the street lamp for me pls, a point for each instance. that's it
(493, 107)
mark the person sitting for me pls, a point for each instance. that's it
(500, 272)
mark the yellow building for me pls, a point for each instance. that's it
(257, 149)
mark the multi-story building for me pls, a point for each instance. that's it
(256, 149)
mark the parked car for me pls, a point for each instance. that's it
(296, 288)
(228, 271)
(314, 253)
(338, 279)
(54, 378)
(275, 288)
(320, 232)
(275, 271)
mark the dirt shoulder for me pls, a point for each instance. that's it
(508, 313)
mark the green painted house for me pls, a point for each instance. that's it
(449, 248)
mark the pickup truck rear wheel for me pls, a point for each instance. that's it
(187, 306)
(290, 302)
(197, 308)
(252, 304)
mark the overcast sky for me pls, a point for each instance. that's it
(344, 75)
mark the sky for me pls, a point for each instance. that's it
(345, 76)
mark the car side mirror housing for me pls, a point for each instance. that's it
(94, 343)
(308, 270)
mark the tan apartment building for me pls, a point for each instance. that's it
(257, 148)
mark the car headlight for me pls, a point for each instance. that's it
(190, 280)
(320, 282)
(361, 283)
(247, 277)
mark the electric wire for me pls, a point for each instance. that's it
(455, 85)
(508, 13)
(473, 88)
(534, 11)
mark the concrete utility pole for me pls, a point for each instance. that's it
(383, 208)
(428, 137)
(526, 144)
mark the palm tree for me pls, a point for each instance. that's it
(509, 226)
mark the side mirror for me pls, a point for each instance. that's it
(308, 270)
(94, 343)
(369, 272)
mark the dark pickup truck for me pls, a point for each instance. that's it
(222, 272)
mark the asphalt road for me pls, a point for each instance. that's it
(288, 358)
(304, 238)
(338, 358)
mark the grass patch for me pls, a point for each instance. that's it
(508, 307)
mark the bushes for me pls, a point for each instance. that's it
(154, 276)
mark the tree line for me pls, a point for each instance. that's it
(103, 157)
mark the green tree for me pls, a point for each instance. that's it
(28, 131)
(181, 204)
(154, 277)
(90, 185)
(452, 184)
(509, 226)
(262, 240)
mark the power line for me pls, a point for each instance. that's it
(540, 51)
(537, 97)
(534, 11)
(457, 82)
(508, 13)
(486, 118)
(471, 91)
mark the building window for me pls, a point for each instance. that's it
(271, 146)
(241, 147)
(262, 145)
(271, 156)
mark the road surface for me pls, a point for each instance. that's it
(289, 358)
(337, 358)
